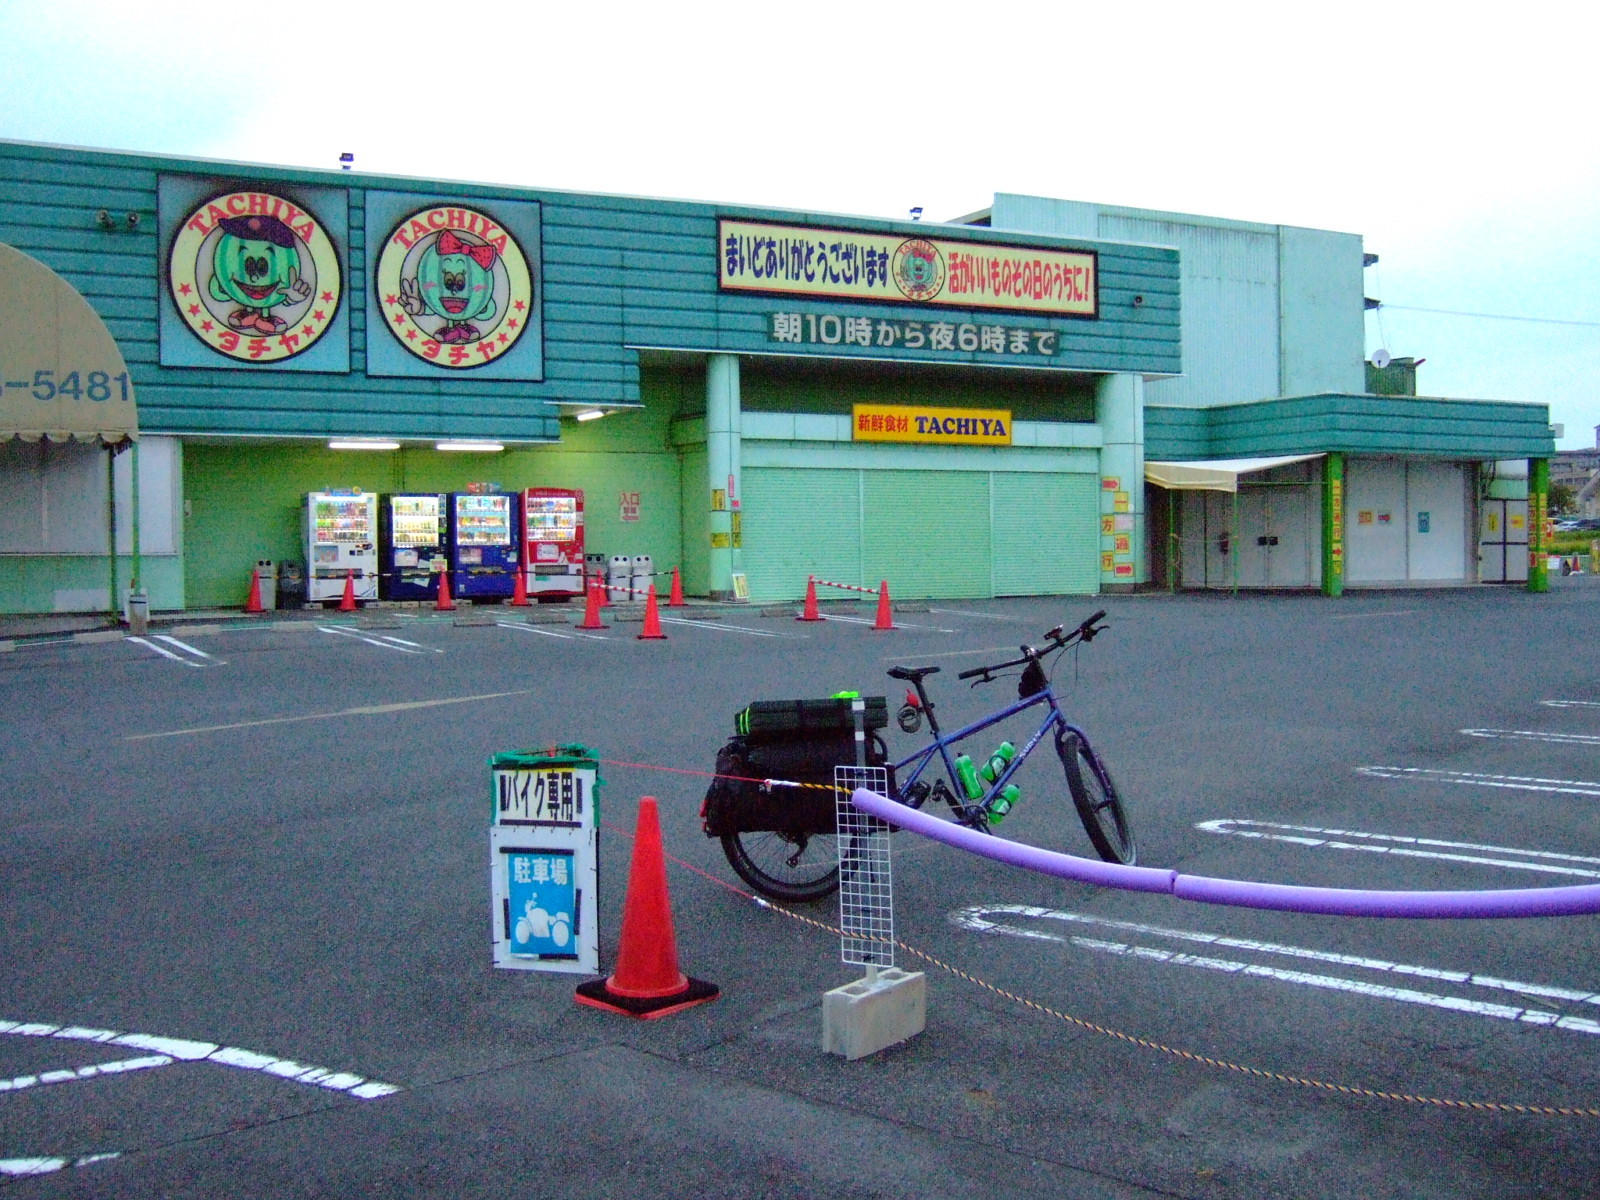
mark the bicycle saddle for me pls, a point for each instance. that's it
(911, 673)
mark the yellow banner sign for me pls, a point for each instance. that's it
(944, 426)
(797, 260)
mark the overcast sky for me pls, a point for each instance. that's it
(1459, 140)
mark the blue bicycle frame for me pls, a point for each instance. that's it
(974, 813)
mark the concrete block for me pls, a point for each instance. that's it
(863, 1017)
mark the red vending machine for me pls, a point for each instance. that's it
(553, 541)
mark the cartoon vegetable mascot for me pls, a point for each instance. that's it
(256, 265)
(455, 280)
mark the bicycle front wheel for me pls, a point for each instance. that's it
(783, 866)
(1095, 797)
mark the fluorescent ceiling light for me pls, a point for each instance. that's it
(593, 414)
(478, 447)
(368, 444)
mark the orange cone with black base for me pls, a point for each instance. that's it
(348, 603)
(647, 982)
(885, 617)
(253, 603)
(591, 609)
(444, 603)
(652, 618)
(810, 613)
(675, 598)
(519, 593)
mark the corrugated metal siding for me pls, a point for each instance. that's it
(618, 273)
(926, 532)
(800, 523)
(1046, 534)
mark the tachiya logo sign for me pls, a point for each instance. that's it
(919, 423)
(455, 286)
(254, 276)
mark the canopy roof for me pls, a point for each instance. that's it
(61, 374)
(1215, 475)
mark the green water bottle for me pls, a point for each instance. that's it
(1003, 802)
(967, 775)
(998, 761)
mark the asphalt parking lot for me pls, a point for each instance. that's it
(247, 937)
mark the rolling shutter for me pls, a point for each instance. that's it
(1046, 534)
(926, 532)
(799, 523)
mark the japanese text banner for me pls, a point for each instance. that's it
(801, 261)
(920, 423)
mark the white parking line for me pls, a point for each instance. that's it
(961, 612)
(1405, 847)
(415, 645)
(196, 651)
(897, 624)
(350, 633)
(1520, 783)
(1570, 703)
(1536, 735)
(977, 919)
(43, 1166)
(165, 653)
(1370, 616)
(520, 628)
(724, 628)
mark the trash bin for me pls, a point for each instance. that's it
(619, 579)
(291, 589)
(594, 570)
(268, 571)
(643, 575)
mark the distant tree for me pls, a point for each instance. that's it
(1563, 497)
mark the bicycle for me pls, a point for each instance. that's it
(805, 866)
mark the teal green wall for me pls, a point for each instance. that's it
(774, 386)
(1361, 424)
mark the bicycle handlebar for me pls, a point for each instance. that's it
(1085, 632)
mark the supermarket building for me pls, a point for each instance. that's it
(1046, 397)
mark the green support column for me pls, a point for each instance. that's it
(1538, 512)
(1333, 525)
(1119, 411)
(722, 462)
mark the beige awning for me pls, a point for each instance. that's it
(1215, 475)
(61, 374)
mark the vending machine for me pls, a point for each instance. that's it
(341, 543)
(411, 546)
(485, 544)
(553, 541)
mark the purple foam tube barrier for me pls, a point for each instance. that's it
(1343, 902)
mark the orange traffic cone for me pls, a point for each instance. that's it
(647, 982)
(652, 618)
(675, 598)
(810, 613)
(253, 604)
(885, 618)
(519, 593)
(444, 603)
(348, 603)
(591, 609)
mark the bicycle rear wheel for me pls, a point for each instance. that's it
(783, 866)
(1095, 797)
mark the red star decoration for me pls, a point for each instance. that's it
(521, 306)
(318, 316)
(399, 318)
(184, 289)
(205, 326)
(327, 297)
(512, 322)
(391, 300)
(411, 334)
(194, 310)
(504, 338)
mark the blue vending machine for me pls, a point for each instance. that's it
(485, 544)
(411, 546)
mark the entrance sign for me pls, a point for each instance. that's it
(544, 860)
(856, 264)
